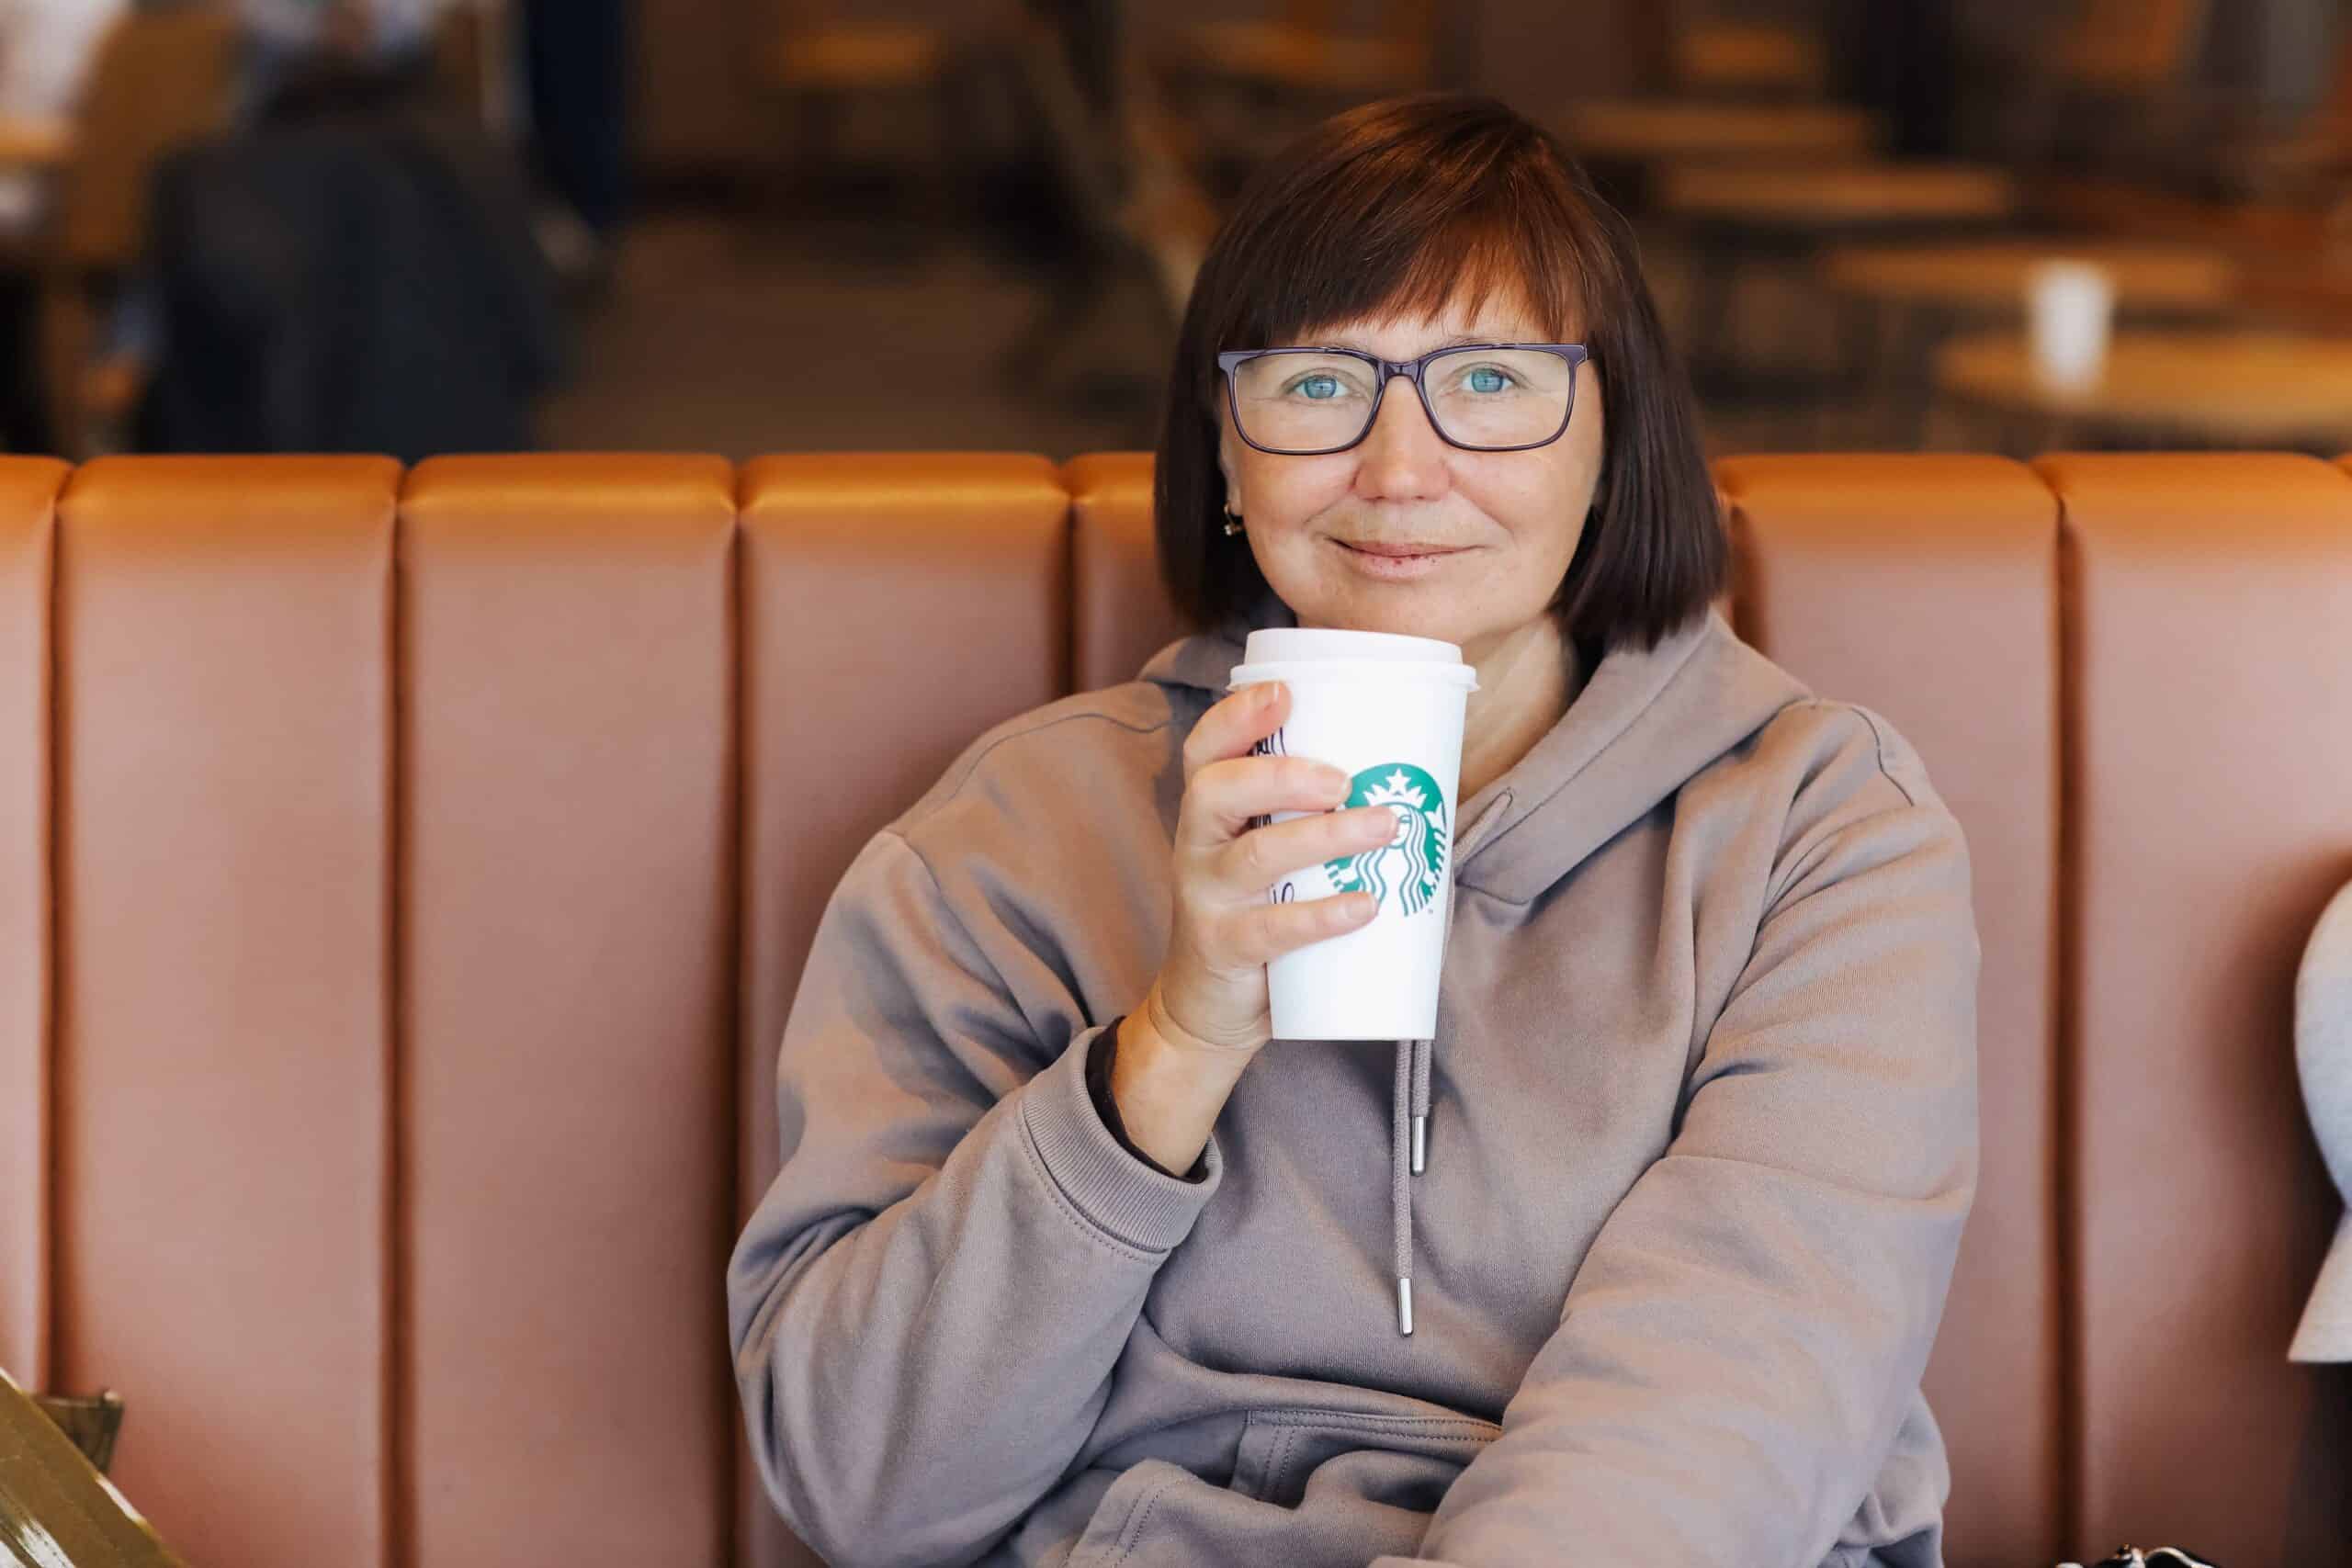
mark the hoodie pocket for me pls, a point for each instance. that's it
(1406, 1462)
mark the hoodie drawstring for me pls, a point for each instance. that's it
(1400, 1184)
(1420, 1103)
(1407, 1154)
(1409, 1114)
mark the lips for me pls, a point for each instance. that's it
(1398, 552)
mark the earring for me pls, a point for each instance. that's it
(1232, 523)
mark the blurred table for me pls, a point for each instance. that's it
(1824, 201)
(1628, 144)
(1736, 220)
(1747, 56)
(1643, 129)
(1286, 57)
(1900, 300)
(2205, 388)
(1989, 276)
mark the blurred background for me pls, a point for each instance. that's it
(748, 226)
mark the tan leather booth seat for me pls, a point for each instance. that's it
(405, 878)
(1926, 588)
(2208, 668)
(893, 609)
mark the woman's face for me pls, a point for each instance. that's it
(1403, 533)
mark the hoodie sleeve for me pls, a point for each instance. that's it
(926, 1306)
(1746, 1334)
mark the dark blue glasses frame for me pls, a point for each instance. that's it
(1414, 370)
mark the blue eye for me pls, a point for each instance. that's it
(1319, 387)
(1487, 379)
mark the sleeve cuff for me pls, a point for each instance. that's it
(1099, 1058)
(1129, 1198)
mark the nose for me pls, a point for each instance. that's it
(1402, 457)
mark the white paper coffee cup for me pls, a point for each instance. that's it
(2070, 308)
(1387, 711)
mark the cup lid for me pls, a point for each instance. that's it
(1276, 645)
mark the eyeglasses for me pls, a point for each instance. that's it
(1485, 397)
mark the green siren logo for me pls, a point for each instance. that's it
(1411, 865)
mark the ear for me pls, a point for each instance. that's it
(1230, 468)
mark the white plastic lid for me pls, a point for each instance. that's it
(1289, 653)
(1273, 645)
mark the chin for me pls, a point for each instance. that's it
(1397, 616)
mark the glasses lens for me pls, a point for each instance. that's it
(1304, 402)
(1501, 397)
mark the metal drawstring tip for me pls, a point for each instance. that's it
(1404, 1305)
(1421, 1143)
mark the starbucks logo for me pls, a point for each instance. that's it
(1411, 865)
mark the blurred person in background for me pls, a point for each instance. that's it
(576, 59)
(305, 51)
(353, 271)
(46, 50)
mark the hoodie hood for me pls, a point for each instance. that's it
(1646, 721)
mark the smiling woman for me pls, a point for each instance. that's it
(1069, 1262)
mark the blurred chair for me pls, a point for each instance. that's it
(2129, 46)
(1249, 87)
(2306, 164)
(162, 80)
(818, 69)
(2111, 86)
(1717, 91)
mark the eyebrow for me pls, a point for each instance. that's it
(1457, 340)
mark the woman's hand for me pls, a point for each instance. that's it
(1211, 987)
(1181, 1054)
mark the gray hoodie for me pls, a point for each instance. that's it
(1702, 1137)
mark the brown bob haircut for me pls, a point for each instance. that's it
(1397, 208)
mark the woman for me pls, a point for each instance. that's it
(1702, 1116)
